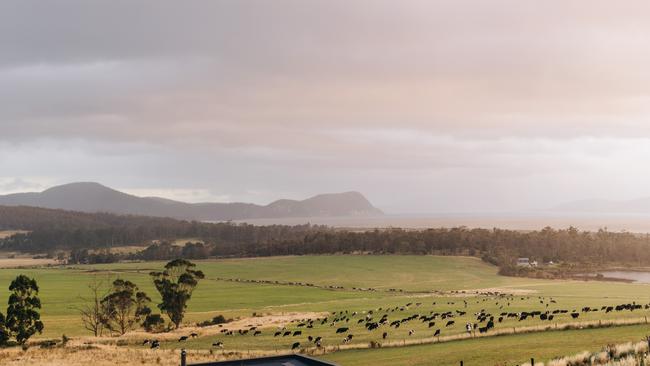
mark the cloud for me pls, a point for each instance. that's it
(15, 185)
(463, 104)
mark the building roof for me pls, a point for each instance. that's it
(285, 360)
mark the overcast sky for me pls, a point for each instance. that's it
(423, 106)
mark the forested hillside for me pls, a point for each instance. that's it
(52, 230)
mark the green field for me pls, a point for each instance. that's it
(427, 280)
(506, 350)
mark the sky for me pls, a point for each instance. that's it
(423, 106)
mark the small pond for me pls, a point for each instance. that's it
(637, 277)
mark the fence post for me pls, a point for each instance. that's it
(183, 357)
(461, 362)
(532, 362)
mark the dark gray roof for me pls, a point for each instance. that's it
(286, 360)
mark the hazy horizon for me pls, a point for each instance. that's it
(422, 106)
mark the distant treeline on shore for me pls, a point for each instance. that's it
(52, 230)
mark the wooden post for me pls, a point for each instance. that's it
(532, 362)
(183, 357)
(461, 362)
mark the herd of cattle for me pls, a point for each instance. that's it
(387, 320)
(305, 284)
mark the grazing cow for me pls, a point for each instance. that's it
(257, 332)
(575, 315)
(383, 336)
(437, 333)
(182, 339)
(146, 341)
(286, 333)
(277, 334)
(372, 326)
(295, 345)
(155, 344)
(411, 332)
(296, 333)
(194, 335)
(450, 323)
(431, 324)
(342, 330)
(217, 344)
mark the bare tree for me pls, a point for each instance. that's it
(93, 312)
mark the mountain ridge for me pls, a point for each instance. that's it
(95, 197)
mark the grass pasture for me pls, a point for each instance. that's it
(506, 350)
(281, 286)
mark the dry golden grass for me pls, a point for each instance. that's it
(266, 321)
(25, 261)
(83, 354)
(8, 233)
(625, 354)
(127, 249)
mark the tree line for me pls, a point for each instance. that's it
(53, 230)
(499, 247)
